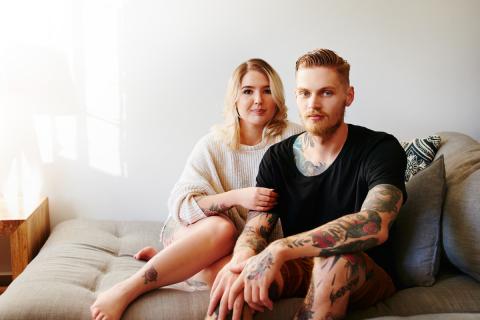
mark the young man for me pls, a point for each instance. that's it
(340, 187)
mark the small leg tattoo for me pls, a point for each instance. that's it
(150, 275)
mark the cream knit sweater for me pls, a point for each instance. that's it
(213, 168)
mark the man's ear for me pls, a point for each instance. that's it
(350, 96)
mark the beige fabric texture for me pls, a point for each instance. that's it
(214, 168)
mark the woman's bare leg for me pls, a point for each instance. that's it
(204, 243)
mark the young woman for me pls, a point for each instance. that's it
(209, 204)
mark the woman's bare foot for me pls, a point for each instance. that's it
(146, 253)
(111, 303)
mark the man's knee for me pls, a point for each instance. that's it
(336, 277)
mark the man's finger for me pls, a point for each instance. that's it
(264, 298)
(238, 307)
(256, 295)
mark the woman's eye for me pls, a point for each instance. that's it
(268, 91)
(247, 91)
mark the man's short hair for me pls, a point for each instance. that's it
(325, 58)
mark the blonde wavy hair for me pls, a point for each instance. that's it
(229, 130)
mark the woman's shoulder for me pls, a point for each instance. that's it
(209, 143)
(292, 129)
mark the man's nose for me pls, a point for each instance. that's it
(313, 102)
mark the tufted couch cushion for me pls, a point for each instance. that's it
(84, 257)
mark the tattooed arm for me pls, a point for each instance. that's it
(351, 233)
(254, 198)
(251, 241)
(215, 204)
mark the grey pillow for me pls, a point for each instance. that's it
(416, 233)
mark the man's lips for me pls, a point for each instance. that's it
(316, 117)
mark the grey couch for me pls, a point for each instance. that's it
(84, 257)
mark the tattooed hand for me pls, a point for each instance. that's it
(256, 279)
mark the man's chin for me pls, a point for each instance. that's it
(322, 131)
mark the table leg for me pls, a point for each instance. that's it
(26, 241)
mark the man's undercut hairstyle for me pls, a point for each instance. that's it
(325, 58)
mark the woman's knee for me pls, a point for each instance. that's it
(222, 231)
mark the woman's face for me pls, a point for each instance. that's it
(255, 101)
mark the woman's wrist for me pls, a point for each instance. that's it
(231, 198)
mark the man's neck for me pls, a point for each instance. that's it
(326, 148)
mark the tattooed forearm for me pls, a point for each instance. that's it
(150, 275)
(256, 232)
(355, 246)
(215, 209)
(250, 239)
(292, 242)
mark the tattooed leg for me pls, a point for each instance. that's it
(334, 279)
(203, 244)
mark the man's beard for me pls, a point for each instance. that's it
(325, 129)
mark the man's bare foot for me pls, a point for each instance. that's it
(146, 253)
(111, 303)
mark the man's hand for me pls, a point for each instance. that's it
(220, 293)
(256, 279)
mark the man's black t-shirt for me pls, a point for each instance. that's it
(368, 158)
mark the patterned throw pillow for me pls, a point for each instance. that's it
(420, 153)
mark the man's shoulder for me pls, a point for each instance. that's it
(281, 149)
(365, 137)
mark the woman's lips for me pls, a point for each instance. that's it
(258, 111)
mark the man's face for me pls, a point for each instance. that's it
(321, 99)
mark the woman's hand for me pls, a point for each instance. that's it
(220, 293)
(255, 198)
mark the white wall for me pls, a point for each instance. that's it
(102, 100)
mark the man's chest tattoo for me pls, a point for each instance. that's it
(306, 167)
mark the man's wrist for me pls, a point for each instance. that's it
(242, 255)
(279, 250)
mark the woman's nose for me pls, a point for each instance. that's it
(257, 98)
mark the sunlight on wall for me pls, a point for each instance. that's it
(102, 92)
(57, 137)
(23, 185)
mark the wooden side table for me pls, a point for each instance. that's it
(28, 229)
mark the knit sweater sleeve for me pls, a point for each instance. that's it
(199, 178)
